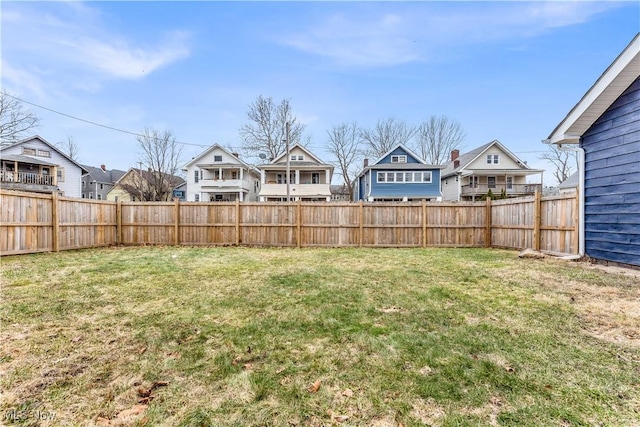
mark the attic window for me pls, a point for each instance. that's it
(217, 158)
(28, 151)
(43, 153)
(298, 157)
(493, 159)
(399, 159)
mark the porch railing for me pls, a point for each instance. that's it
(481, 189)
(26, 178)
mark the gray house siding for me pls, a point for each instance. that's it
(612, 181)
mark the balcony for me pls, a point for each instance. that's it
(296, 190)
(511, 190)
(27, 181)
(224, 184)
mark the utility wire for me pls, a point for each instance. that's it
(96, 124)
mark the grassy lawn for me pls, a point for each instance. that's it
(284, 337)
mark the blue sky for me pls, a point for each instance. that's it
(505, 70)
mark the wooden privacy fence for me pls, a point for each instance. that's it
(41, 223)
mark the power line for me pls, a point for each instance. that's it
(95, 123)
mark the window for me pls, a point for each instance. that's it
(417, 176)
(399, 159)
(99, 196)
(60, 174)
(46, 171)
(28, 151)
(195, 177)
(298, 157)
(493, 159)
(216, 174)
(102, 186)
(43, 153)
(217, 158)
(197, 197)
(382, 177)
(315, 178)
(509, 183)
(234, 174)
(408, 177)
(391, 177)
(411, 177)
(426, 176)
(91, 194)
(399, 177)
(491, 181)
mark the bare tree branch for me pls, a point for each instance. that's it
(385, 135)
(15, 122)
(161, 154)
(437, 136)
(565, 162)
(344, 144)
(265, 133)
(69, 147)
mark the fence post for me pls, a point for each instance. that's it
(176, 225)
(119, 222)
(237, 222)
(537, 218)
(361, 230)
(55, 222)
(424, 223)
(488, 224)
(299, 223)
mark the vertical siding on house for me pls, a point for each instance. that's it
(612, 181)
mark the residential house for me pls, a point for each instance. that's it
(309, 177)
(219, 175)
(569, 185)
(340, 193)
(604, 129)
(137, 185)
(488, 168)
(99, 181)
(35, 165)
(399, 175)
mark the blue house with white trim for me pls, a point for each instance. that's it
(399, 175)
(604, 129)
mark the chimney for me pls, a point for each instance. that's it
(366, 162)
(103, 167)
(456, 164)
(455, 154)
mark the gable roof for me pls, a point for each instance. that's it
(405, 149)
(467, 158)
(609, 86)
(309, 153)
(109, 176)
(570, 182)
(146, 175)
(45, 142)
(217, 147)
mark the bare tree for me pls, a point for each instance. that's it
(437, 136)
(344, 144)
(265, 133)
(69, 147)
(565, 162)
(15, 121)
(161, 154)
(386, 134)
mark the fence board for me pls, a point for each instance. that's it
(28, 223)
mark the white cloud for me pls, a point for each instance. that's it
(415, 31)
(69, 45)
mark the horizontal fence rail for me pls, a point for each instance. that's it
(32, 223)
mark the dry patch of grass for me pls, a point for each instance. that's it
(243, 336)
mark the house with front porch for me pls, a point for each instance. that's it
(35, 165)
(309, 177)
(218, 175)
(488, 169)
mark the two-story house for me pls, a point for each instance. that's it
(399, 175)
(217, 175)
(35, 165)
(309, 177)
(99, 181)
(488, 168)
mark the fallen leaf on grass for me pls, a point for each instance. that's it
(347, 393)
(314, 387)
(247, 366)
(135, 410)
(101, 421)
(142, 350)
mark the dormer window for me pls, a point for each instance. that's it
(398, 159)
(217, 158)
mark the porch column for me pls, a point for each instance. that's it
(327, 177)
(241, 174)
(262, 177)
(297, 178)
(15, 171)
(241, 196)
(54, 172)
(219, 173)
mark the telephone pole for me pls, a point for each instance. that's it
(288, 177)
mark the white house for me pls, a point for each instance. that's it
(33, 164)
(309, 177)
(219, 175)
(492, 166)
